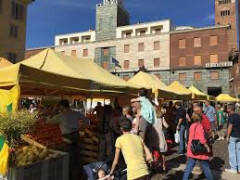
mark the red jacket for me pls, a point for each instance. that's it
(196, 132)
(206, 124)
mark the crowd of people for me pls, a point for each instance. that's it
(135, 139)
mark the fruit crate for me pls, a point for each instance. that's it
(51, 169)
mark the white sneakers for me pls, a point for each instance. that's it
(231, 171)
(220, 138)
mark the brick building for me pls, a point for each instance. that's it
(198, 56)
(13, 18)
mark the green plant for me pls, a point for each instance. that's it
(13, 126)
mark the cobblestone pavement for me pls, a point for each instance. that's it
(218, 163)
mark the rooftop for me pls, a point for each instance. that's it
(145, 23)
(188, 29)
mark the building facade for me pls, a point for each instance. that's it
(130, 48)
(200, 57)
(194, 56)
(13, 18)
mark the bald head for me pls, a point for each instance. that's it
(197, 108)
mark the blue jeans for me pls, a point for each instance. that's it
(234, 153)
(204, 165)
(182, 139)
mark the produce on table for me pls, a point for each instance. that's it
(28, 155)
(46, 134)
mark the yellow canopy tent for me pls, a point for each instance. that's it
(4, 62)
(51, 73)
(148, 81)
(211, 98)
(197, 94)
(226, 98)
(178, 87)
(176, 96)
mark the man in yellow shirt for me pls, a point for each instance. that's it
(135, 153)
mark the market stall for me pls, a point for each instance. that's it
(197, 94)
(226, 98)
(53, 74)
(148, 81)
(181, 89)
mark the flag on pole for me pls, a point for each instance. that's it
(4, 157)
(115, 62)
(9, 100)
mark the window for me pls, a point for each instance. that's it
(197, 42)
(126, 48)
(74, 52)
(141, 63)
(197, 76)
(156, 45)
(17, 11)
(182, 43)
(141, 47)
(105, 65)
(214, 75)
(12, 57)
(100, 24)
(85, 52)
(128, 34)
(106, 51)
(13, 32)
(142, 33)
(225, 13)
(213, 41)
(224, 1)
(182, 76)
(158, 31)
(1, 2)
(197, 61)
(63, 41)
(156, 62)
(126, 64)
(182, 61)
(213, 58)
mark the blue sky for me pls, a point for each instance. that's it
(46, 18)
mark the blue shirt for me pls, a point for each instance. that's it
(210, 113)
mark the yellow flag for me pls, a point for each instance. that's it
(9, 100)
(4, 157)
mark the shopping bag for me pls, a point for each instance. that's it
(176, 137)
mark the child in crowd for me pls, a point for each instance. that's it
(102, 175)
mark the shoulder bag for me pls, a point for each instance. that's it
(196, 147)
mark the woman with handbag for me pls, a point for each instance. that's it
(198, 149)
